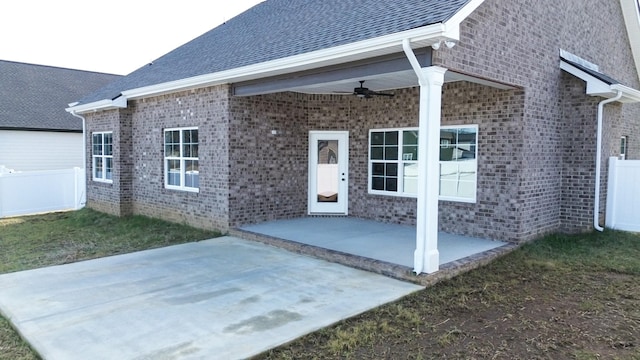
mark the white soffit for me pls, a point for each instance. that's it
(599, 87)
(595, 86)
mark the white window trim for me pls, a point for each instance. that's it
(400, 162)
(103, 157)
(475, 194)
(180, 158)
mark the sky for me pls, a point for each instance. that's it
(115, 36)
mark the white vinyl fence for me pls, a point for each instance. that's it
(32, 192)
(623, 195)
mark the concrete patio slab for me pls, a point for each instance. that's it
(392, 243)
(223, 298)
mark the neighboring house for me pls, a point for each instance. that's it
(264, 117)
(35, 131)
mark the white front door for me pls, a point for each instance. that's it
(328, 172)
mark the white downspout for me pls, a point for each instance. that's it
(596, 202)
(406, 46)
(84, 152)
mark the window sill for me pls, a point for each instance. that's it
(389, 193)
(415, 196)
(181, 188)
(459, 200)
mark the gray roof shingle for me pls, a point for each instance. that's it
(598, 75)
(34, 97)
(277, 29)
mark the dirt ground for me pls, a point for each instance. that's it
(521, 307)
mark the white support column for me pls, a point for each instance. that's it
(426, 256)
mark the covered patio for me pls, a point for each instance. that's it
(383, 248)
(403, 97)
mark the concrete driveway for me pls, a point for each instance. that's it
(224, 298)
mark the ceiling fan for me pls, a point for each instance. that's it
(364, 92)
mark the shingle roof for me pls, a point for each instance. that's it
(277, 29)
(598, 75)
(35, 96)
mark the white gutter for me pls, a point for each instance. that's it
(448, 32)
(119, 102)
(345, 53)
(424, 36)
(596, 203)
(629, 95)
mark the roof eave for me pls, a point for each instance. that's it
(117, 103)
(629, 95)
(388, 44)
(464, 13)
(595, 86)
(598, 87)
(424, 36)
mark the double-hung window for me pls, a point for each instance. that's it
(181, 159)
(102, 156)
(458, 163)
(393, 162)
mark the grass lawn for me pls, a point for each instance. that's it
(52, 239)
(562, 297)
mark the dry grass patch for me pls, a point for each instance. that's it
(562, 297)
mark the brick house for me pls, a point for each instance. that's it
(230, 128)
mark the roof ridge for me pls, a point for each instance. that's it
(58, 67)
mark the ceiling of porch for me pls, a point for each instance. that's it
(386, 82)
(380, 74)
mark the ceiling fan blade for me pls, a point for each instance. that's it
(362, 91)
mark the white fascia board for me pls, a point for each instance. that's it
(118, 103)
(597, 87)
(388, 44)
(629, 95)
(464, 13)
(451, 27)
(424, 36)
(631, 13)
